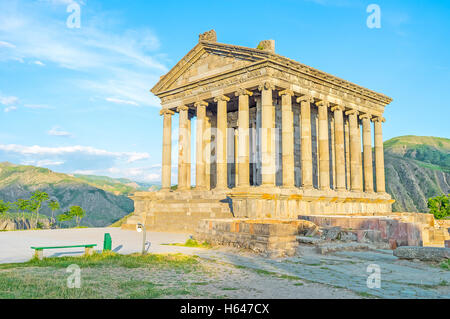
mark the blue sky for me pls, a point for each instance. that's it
(78, 100)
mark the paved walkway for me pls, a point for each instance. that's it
(15, 245)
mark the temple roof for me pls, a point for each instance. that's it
(247, 57)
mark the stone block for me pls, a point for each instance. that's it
(422, 253)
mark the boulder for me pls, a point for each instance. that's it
(422, 253)
(331, 233)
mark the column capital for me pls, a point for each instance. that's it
(323, 103)
(200, 104)
(286, 92)
(221, 98)
(166, 112)
(266, 86)
(378, 119)
(305, 98)
(365, 116)
(352, 112)
(182, 108)
(337, 108)
(243, 91)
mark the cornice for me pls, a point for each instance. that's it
(258, 56)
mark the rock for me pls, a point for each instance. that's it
(422, 253)
(347, 236)
(333, 247)
(314, 230)
(331, 233)
(309, 240)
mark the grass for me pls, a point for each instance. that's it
(106, 275)
(111, 259)
(445, 264)
(192, 243)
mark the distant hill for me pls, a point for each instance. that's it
(102, 207)
(118, 186)
(417, 167)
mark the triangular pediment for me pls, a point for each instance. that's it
(205, 60)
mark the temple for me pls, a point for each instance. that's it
(274, 138)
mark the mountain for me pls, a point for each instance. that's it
(117, 186)
(417, 168)
(102, 207)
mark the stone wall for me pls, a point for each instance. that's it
(274, 238)
(397, 229)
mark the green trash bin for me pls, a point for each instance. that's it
(107, 242)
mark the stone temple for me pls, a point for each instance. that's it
(274, 139)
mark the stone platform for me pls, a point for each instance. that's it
(182, 210)
(177, 211)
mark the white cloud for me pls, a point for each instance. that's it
(119, 101)
(130, 157)
(8, 100)
(57, 131)
(5, 44)
(153, 177)
(111, 58)
(10, 108)
(42, 162)
(39, 63)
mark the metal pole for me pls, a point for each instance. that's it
(144, 238)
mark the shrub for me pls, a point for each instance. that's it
(440, 206)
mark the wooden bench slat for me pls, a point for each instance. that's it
(56, 247)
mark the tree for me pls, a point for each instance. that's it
(54, 206)
(4, 207)
(78, 213)
(440, 206)
(64, 217)
(23, 205)
(36, 202)
(74, 212)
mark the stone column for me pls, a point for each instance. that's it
(207, 144)
(200, 179)
(305, 138)
(188, 162)
(347, 151)
(287, 138)
(379, 155)
(183, 142)
(221, 137)
(167, 149)
(339, 147)
(355, 151)
(367, 152)
(244, 139)
(324, 150)
(268, 135)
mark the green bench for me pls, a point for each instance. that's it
(39, 251)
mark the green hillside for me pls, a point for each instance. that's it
(102, 207)
(417, 167)
(118, 186)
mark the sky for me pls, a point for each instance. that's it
(76, 99)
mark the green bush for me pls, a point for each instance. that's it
(440, 206)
